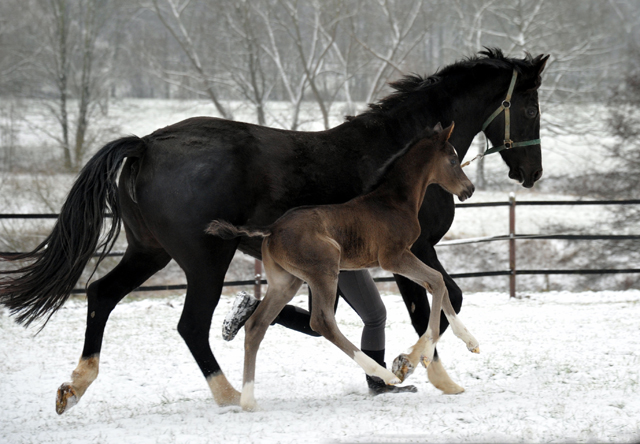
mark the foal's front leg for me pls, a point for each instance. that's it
(411, 267)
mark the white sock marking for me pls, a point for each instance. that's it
(372, 368)
(247, 400)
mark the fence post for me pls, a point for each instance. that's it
(257, 268)
(512, 245)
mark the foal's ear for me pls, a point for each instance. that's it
(445, 134)
(438, 127)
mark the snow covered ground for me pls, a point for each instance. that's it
(554, 367)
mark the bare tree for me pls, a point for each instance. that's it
(174, 15)
(246, 60)
(388, 31)
(72, 71)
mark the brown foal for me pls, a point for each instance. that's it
(377, 229)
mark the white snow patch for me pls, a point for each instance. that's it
(554, 367)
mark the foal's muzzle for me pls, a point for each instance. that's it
(467, 192)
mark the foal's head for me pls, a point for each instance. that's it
(446, 170)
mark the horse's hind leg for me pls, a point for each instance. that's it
(282, 287)
(323, 321)
(136, 266)
(205, 261)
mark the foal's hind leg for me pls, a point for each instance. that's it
(282, 287)
(136, 266)
(323, 321)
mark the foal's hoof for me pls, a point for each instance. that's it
(66, 398)
(425, 361)
(402, 367)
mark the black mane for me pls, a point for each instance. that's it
(412, 83)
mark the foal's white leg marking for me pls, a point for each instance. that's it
(440, 379)
(247, 399)
(223, 392)
(372, 368)
(70, 393)
(461, 331)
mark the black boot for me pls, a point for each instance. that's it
(377, 385)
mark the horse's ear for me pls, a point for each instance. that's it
(438, 127)
(532, 79)
(540, 62)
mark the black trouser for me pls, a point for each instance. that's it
(361, 293)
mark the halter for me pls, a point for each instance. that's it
(506, 107)
(508, 143)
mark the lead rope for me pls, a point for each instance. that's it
(479, 156)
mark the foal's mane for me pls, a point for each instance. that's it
(412, 83)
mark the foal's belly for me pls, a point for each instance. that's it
(358, 263)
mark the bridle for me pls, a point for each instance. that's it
(508, 143)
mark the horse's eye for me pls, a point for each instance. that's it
(453, 162)
(532, 112)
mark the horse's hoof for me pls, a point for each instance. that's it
(402, 367)
(66, 398)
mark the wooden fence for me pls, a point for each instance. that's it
(512, 272)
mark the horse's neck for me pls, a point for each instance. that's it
(467, 107)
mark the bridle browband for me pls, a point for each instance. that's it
(508, 143)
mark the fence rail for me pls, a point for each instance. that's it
(512, 237)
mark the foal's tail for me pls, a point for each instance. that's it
(40, 288)
(225, 230)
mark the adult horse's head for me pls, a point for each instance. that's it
(514, 126)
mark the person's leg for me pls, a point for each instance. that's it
(292, 317)
(361, 293)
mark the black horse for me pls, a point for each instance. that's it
(178, 179)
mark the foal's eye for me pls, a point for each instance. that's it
(453, 162)
(531, 112)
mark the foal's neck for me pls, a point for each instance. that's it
(406, 182)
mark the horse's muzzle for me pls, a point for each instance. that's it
(527, 180)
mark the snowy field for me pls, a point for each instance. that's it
(554, 367)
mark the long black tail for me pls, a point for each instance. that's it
(226, 230)
(41, 287)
